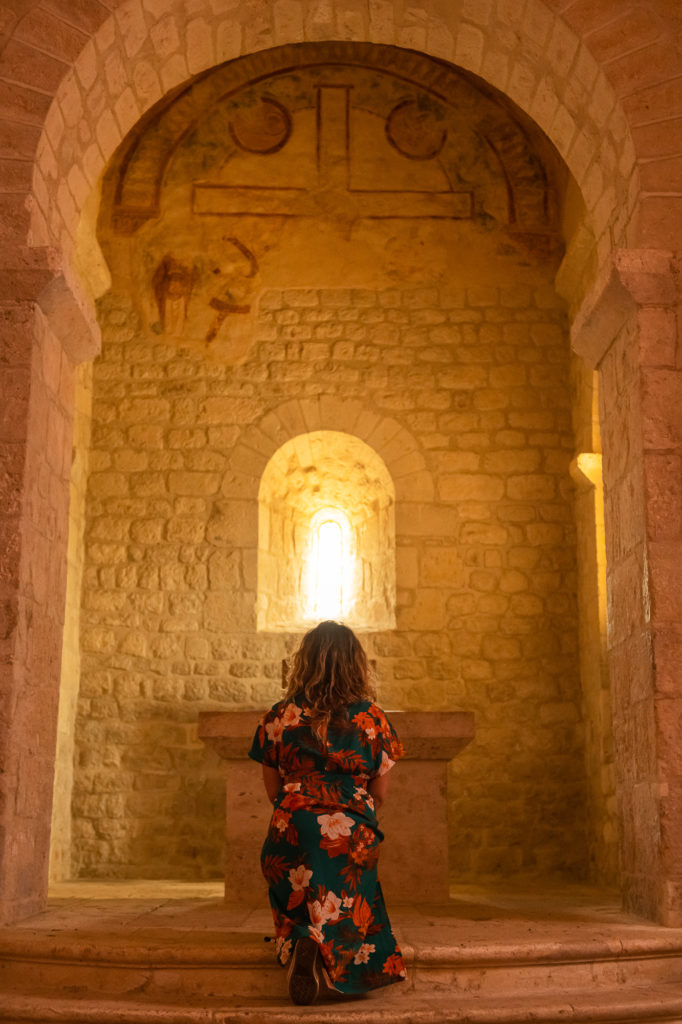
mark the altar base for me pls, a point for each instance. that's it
(414, 858)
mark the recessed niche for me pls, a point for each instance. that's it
(326, 535)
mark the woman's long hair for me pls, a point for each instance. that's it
(329, 671)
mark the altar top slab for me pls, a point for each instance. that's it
(426, 735)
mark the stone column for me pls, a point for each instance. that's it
(43, 332)
(630, 331)
(414, 864)
(657, 290)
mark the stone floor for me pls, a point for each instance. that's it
(504, 912)
(148, 951)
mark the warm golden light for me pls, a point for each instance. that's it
(326, 535)
(330, 578)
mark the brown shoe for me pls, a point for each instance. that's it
(303, 977)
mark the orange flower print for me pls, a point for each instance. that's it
(394, 965)
(362, 915)
(283, 949)
(362, 955)
(336, 830)
(323, 910)
(291, 716)
(280, 820)
(332, 826)
(332, 906)
(300, 877)
(365, 722)
(294, 801)
(317, 914)
(274, 729)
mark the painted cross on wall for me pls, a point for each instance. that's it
(406, 130)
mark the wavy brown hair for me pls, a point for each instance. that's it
(329, 671)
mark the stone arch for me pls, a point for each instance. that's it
(396, 447)
(60, 156)
(146, 57)
(142, 166)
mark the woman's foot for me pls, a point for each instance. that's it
(303, 977)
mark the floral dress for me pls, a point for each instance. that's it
(320, 854)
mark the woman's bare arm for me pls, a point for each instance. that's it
(272, 782)
(378, 788)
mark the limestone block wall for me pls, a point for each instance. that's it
(522, 49)
(486, 611)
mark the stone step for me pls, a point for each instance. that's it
(480, 959)
(653, 1005)
(190, 969)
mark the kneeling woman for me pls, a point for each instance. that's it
(326, 749)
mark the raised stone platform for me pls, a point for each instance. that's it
(172, 953)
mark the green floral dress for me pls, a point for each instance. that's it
(320, 854)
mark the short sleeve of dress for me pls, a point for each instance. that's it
(264, 748)
(390, 749)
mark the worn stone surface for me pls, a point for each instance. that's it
(60, 835)
(611, 109)
(486, 607)
(587, 474)
(161, 951)
(415, 829)
(32, 589)
(459, 395)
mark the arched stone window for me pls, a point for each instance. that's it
(326, 535)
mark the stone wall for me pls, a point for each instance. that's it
(586, 471)
(60, 837)
(486, 611)
(629, 641)
(35, 419)
(599, 80)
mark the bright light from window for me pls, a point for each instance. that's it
(330, 569)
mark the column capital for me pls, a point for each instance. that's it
(72, 318)
(632, 278)
(651, 276)
(24, 271)
(42, 275)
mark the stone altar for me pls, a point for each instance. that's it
(414, 860)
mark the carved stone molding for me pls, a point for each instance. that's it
(633, 278)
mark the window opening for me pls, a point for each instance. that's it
(326, 535)
(331, 571)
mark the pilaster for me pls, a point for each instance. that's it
(43, 333)
(629, 329)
